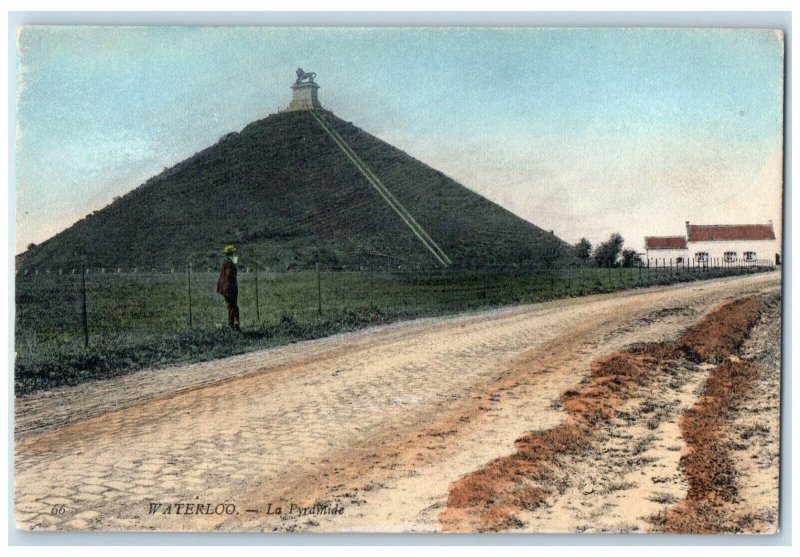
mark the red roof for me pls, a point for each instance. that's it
(664, 242)
(729, 232)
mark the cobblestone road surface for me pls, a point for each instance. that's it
(237, 430)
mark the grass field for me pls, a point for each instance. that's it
(143, 320)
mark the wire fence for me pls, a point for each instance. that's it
(83, 306)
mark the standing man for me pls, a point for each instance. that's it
(228, 287)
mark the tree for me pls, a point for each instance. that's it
(630, 258)
(584, 250)
(607, 253)
(31, 246)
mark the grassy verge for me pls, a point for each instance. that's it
(69, 363)
(137, 321)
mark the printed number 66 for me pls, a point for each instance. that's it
(58, 510)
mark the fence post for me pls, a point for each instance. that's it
(319, 294)
(84, 315)
(258, 315)
(189, 284)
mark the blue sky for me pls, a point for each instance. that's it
(583, 131)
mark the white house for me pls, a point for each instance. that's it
(726, 244)
(665, 251)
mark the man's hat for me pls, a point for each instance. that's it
(229, 250)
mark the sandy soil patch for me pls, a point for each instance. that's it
(731, 459)
(591, 470)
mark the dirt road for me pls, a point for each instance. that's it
(376, 423)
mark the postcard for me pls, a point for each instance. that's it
(350, 279)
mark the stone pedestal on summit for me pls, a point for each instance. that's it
(304, 96)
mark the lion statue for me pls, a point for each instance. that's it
(301, 75)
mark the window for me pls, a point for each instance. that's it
(701, 257)
(749, 256)
(679, 261)
(730, 256)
